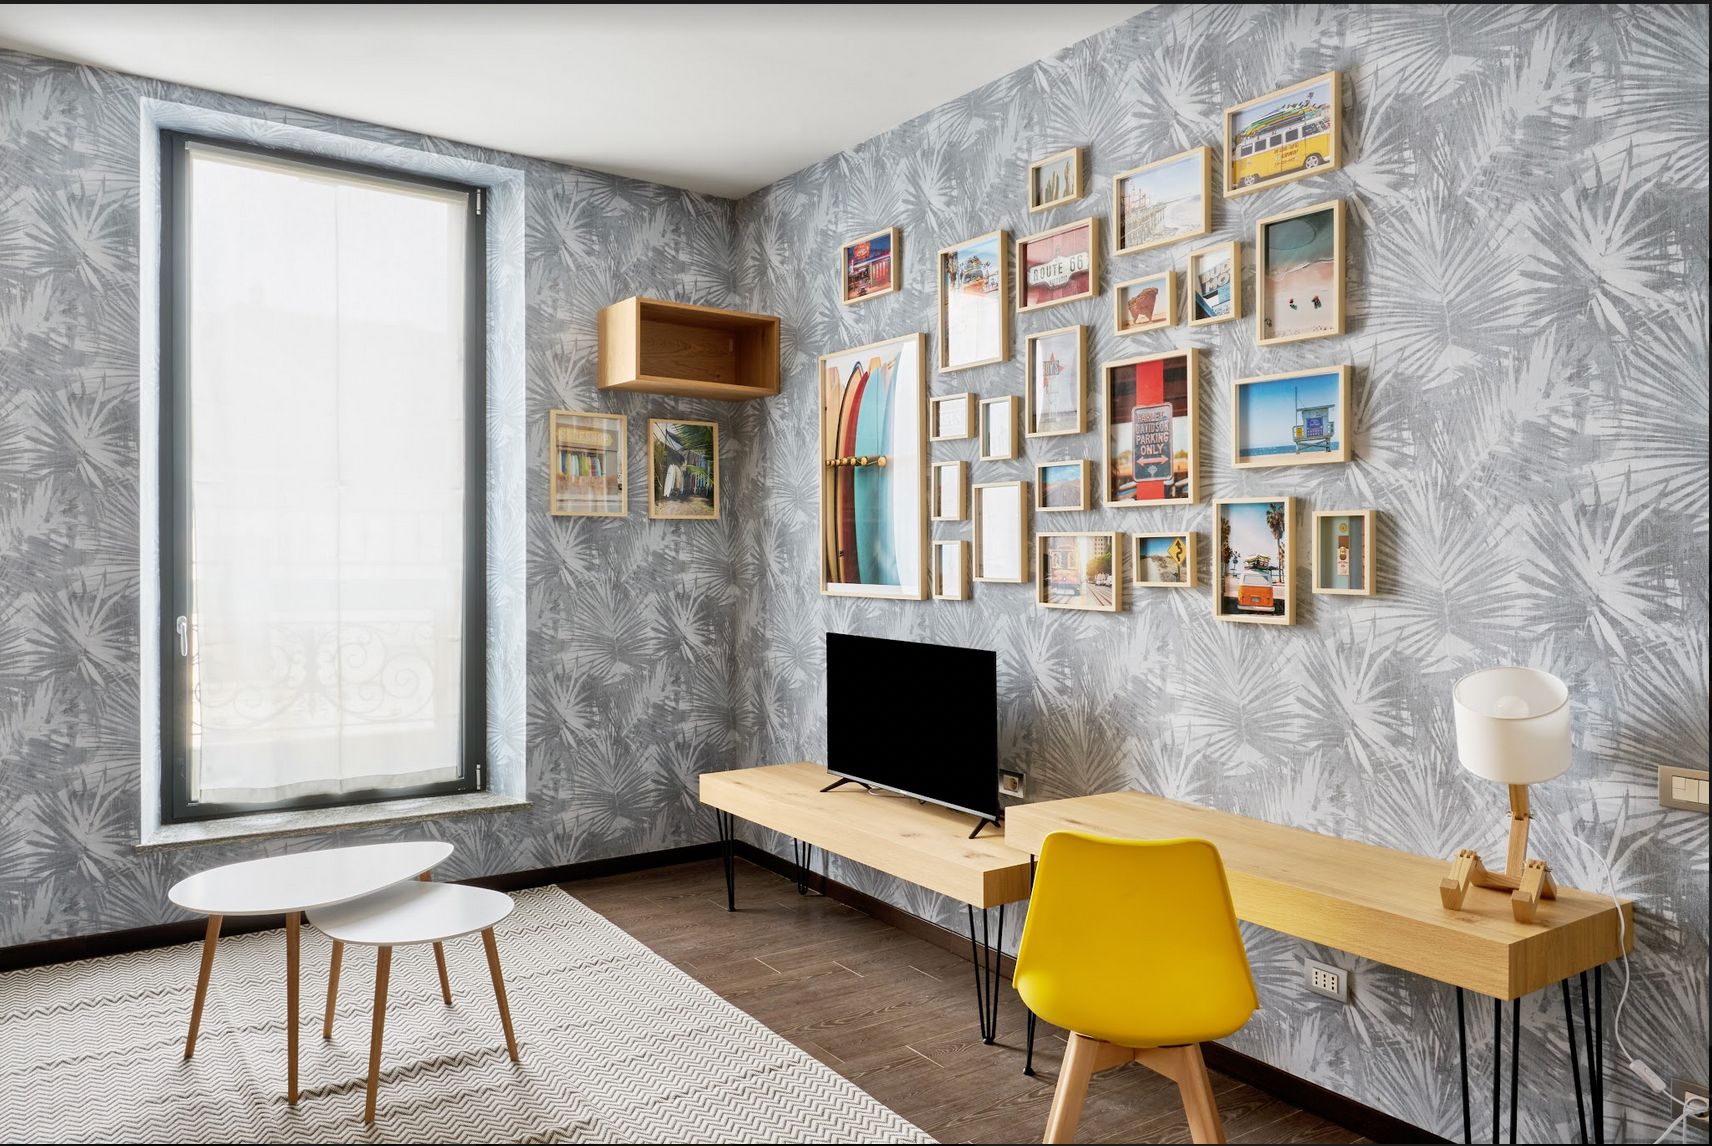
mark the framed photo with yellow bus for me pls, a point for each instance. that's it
(1284, 135)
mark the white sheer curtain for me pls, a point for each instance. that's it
(326, 383)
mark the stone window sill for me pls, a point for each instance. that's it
(271, 825)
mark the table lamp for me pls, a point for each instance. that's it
(1512, 727)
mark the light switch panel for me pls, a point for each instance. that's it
(1682, 788)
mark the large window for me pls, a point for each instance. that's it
(322, 482)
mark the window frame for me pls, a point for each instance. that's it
(174, 469)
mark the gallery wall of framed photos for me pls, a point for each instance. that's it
(1462, 337)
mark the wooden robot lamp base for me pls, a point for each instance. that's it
(1529, 879)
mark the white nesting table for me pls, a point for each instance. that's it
(403, 914)
(289, 885)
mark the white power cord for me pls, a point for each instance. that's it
(1693, 1108)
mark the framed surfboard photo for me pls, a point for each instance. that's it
(873, 477)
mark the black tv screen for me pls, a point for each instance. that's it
(915, 718)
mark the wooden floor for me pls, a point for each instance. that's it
(896, 1014)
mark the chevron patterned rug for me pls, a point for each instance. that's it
(617, 1046)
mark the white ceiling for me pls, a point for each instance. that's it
(721, 98)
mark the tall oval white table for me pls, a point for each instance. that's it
(289, 885)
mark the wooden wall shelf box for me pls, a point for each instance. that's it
(652, 347)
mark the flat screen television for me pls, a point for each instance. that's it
(918, 719)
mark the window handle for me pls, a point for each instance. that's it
(183, 628)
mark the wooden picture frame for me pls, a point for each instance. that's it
(900, 537)
(990, 316)
(1000, 510)
(1069, 252)
(1318, 433)
(1069, 160)
(1272, 139)
(859, 264)
(676, 496)
(1219, 298)
(1062, 564)
(1001, 426)
(951, 417)
(1179, 547)
(1048, 356)
(584, 478)
(1344, 554)
(1158, 188)
(1165, 482)
(1249, 529)
(951, 571)
(1136, 311)
(950, 484)
(1291, 289)
(1045, 481)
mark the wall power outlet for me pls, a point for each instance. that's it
(1682, 1090)
(1324, 979)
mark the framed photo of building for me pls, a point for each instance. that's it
(1298, 274)
(1296, 419)
(1163, 202)
(950, 491)
(1058, 266)
(1061, 487)
(1055, 180)
(873, 477)
(952, 418)
(683, 469)
(974, 302)
(1254, 560)
(1152, 422)
(950, 570)
(1215, 284)
(1162, 560)
(1056, 399)
(1343, 544)
(586, 464)
(1079, 571)
(1284, 135)
(999, 428)
(868, 267)
(1000, 510)
(1144, 304)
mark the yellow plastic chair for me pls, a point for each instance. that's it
(1132, 946)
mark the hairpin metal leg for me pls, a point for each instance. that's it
(986, 958)
(1497, 1065)
(1462, 1046)
(1574, 1059)
(803, 854)
(1596, 1055)
(1028, 1063)
(728, 855)
(1515, 1059)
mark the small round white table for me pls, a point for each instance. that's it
(404, 914)
(290, 885)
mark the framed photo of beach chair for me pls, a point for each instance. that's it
(1284, 135)
(1298, 274)
(874, 473)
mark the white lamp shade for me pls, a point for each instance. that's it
(1512, 725)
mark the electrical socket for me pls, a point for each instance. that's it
(1325, 979)
(1682, 1090)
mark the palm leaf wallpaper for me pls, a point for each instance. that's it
(1527, 299)
(1528, 329)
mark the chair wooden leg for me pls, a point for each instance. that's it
(383, 970)
(210, 939)
(332, 988)
(1080, 1054)
(292, 928)
(499, 990)
(1185, 1066)
(440, 955)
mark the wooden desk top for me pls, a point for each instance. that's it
(921, 843)
(1368, 900)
